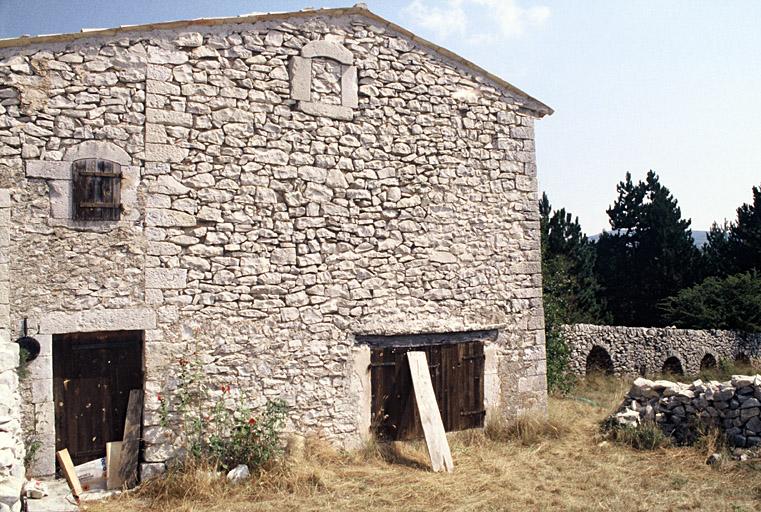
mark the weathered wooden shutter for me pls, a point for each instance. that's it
(96, 190)
(457, 375)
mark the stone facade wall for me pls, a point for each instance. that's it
(11, 439)
(639, 350)
(682, 411)
(264, 235)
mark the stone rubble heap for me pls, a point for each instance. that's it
(684, 410)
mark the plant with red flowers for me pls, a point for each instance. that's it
(226, 433)
(248, 439)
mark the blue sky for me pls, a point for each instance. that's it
(636, 85)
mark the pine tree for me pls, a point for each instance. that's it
(736, 247)
(568, 261)
(648, 255)
(745, 235)
(718, 259)
(569, 287)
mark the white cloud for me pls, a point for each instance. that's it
(444, 21)
(476, 21)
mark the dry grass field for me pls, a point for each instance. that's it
(560, 464)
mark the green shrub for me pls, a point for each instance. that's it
(247, 439)
(726, 366)
(732, 302)
(559, 379)
(646, 436)
(222, 435)
(32, 445)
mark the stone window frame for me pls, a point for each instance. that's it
(301, 80)
(360, 383)
(58, 175)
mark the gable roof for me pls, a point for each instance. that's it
(530, 103)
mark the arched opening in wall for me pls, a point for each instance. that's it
(673, 366)
(708, 362)
(599, 361)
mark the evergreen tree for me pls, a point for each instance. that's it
(736, 247)
(732, 302)
(568, 262)
(718, 259)
(745, 235)
(731, 297)
(648, 255)
(569, 287)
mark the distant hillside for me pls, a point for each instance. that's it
(700, 237)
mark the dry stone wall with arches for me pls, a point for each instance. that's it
(639, 350)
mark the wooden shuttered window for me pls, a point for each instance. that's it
(96, 189)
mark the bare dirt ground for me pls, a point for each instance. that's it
(562, 464)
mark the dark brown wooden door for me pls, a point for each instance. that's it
(93, 374)
(457, 372)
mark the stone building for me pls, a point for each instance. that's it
(280, 196)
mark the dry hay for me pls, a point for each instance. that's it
(536, 464)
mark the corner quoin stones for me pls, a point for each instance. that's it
(267, 227)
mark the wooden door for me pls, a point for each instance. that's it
(457, 371)
(93, 374)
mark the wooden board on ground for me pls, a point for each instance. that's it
(428, 409)
(131, 442)
(67, 468)
(113, 462)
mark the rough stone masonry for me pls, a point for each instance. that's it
(288, 181)
(648, 350)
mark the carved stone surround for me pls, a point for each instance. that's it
(58, 176)
(41, 369)
(301, 80)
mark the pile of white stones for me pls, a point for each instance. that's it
(683, 411)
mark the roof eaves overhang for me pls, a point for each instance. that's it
(528, 102)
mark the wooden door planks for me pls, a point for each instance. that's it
(430, 417)
(131, 442)
(93, 374)
(456, 372)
